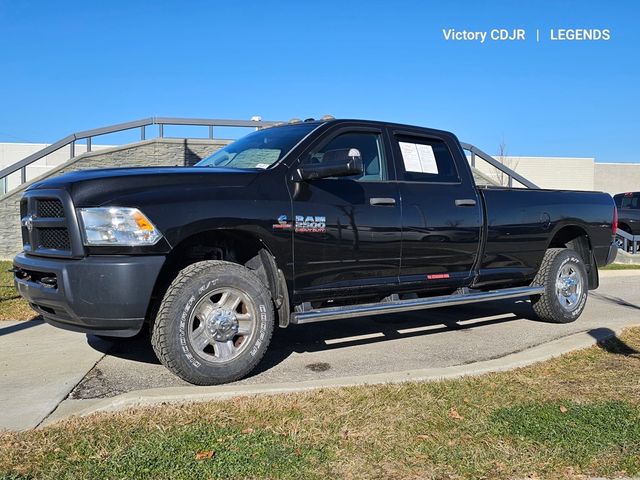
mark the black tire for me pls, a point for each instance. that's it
(173, 329)
(554, 305)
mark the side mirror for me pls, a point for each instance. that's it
(343, 162)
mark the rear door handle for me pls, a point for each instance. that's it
(465, 202)
(382, 202)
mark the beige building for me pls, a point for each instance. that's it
(617, 177)
(572, 173)
(546, 172)
(11, 153)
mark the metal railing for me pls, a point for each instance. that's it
(88, 135)
(161, 122)
(511, 174)
(627, 242)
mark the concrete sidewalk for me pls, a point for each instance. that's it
(39, 366)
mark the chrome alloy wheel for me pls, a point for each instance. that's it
(569, 287)
(221, 324)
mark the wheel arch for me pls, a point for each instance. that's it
(576, 237)
(237, 246)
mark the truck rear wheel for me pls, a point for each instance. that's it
(214, 324)
(564, 277)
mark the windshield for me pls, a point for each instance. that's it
(259, 149)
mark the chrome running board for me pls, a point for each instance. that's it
(368, 309)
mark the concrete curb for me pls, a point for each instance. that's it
(159, 396)
(626, 258)
(619, 273)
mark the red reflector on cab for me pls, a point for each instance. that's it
(437, 276)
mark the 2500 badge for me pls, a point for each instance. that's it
(302, 224)
(311, 224)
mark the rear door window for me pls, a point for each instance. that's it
(423, 159)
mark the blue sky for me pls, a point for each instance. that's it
(69, 66)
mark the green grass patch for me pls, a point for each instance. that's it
(621, 266)
(577, 432)
(157, 452)
(12, 306)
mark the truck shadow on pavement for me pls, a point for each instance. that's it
(616, 300)
(16, 327)
(325, 336)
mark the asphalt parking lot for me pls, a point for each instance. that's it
(384, 344)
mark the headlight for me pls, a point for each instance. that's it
(117, 226)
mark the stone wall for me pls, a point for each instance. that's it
(149, 153)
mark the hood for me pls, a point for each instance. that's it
(96, 187)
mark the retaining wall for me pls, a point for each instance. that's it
(158, 152)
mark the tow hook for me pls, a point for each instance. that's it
(19, 273)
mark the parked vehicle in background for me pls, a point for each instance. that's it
(628, 205)
(310, 221)
(628, 212)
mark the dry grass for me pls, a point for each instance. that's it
(12, 306)
(560, 419)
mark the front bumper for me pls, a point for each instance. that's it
(102, 295)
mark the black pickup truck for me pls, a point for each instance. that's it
(297, 223)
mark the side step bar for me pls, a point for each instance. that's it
(367, 309)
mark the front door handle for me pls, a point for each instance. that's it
(382, 202)
(465, 202)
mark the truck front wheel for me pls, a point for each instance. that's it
(564, 278)
(214, 324)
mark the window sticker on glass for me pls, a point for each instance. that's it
(418, 158)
